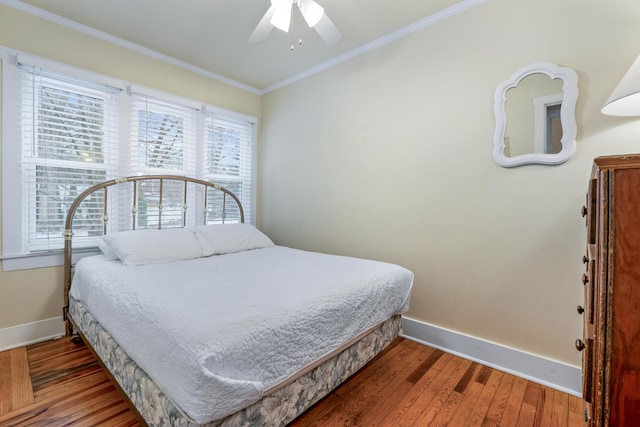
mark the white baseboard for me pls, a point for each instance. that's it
(538, 369)
(29, 333)
(544, 371)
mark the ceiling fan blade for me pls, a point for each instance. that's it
(281, 18)
(328, 31)
(264, 27)
(311, 11)
(282, 4)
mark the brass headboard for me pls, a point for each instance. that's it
(134, 180)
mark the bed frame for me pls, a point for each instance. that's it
(206, 186)
(280, 404)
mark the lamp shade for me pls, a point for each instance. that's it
(625, 99)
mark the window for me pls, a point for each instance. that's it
(163, 136)
(65, 129)
(163, 141)
(68, 130)
(229, 157)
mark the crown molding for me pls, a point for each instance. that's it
(367, 47)
(377, 43)
(101, 35)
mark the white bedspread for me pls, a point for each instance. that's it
(215, 332)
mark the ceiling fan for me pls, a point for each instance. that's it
(279, 16)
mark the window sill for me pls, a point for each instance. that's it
(42, 259)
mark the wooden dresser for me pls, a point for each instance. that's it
(611, 342)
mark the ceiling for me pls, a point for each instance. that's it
(211, 36)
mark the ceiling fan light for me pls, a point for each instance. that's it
(282, 4)
(282, 19)
(311, 11)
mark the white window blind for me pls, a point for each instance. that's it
(163, 136)
(66, 129)
(69, 133)
(229, 161)
(163, 141)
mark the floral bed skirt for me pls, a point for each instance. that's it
(275, 409)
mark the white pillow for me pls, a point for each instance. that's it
(138, 247)
(106, 250)
(219, 239)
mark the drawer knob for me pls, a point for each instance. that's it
(584, 211)
(580, 309)
(579, 345)
(585, 259)
(585, 278)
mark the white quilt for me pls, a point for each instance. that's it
(214, 333)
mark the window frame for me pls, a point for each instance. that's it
(14, 224)
(42, 128)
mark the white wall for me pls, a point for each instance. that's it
(388, 156)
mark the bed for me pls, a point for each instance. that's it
(200, 319)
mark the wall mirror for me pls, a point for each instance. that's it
(535, 116)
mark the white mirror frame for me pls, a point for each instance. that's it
(567, 116)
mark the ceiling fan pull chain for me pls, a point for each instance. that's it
(300, 26)
(293, 25)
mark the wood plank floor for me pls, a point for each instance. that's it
(59, 383)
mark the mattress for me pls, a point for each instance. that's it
(215, 333)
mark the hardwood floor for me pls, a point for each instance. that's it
(58, 383)
(410, 384)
